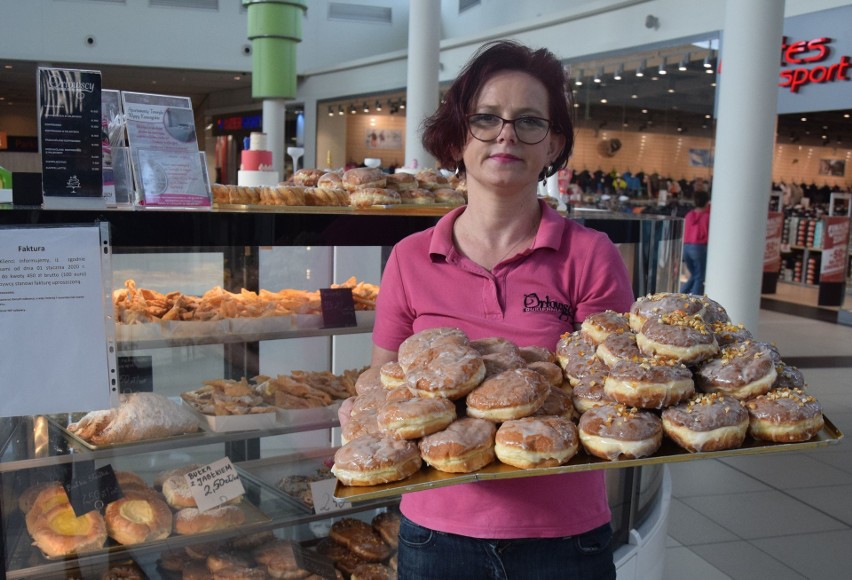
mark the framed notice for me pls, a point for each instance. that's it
(69, 117)
(167, 168)
(57, 349)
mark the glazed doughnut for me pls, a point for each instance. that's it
(285, 565)
(534, 442)
(348, 563)
(360, 538)
(788, 377)
(597, 327)
(391, 375)
(416, 417)
(369, 401)
(137, 518)
(656, 305)
(576, 354)
(649, 383)
(365, 423)
(533, 353)
(619, 432)
(370, 196)
(195, 570)
(589, 392)
(496, 363)
(509, 395)
(728, 333)
(387, 525)
(307, 177)
(363, 177)
(372, 571)
(713, 311)
(369, 380)
(192, 521)
(447, 370)
(57, 531)
(172, 561)
(425, 339)
(465, 446)
(397, 394)
(251, 541)
(784, 416)
(707, 423)
(495, 345)
(416, 195)
(618, 347)
(551, 372)
(742, 370)
(686, 339)
(328, 548)
(559, 402)
(372, 460)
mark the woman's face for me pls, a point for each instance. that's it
(505, 162)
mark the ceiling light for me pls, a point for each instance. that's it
(683, 62)
(619, 70)
(378, 106)
(707, 63)
(340, 109)
(402, 104)
(640, 70)
(579, 80)
(803, 119)
(662, 70)
(352, 110)
(366, 107)
(598, 74)
(330, 112)
(604, 101)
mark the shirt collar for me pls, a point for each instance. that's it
(549, 231)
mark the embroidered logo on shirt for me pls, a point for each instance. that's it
(533, 303)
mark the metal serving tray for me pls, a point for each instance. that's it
(669, 452)
(62, 421)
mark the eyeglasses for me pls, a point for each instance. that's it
(529, 130)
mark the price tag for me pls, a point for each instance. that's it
(323, 494)
(215, 484)
(92, 489)
(338, 307)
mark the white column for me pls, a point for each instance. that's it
(424, 36)
(742, 175)
(273, 125)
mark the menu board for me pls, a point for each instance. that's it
(57, 346)
(168, 170)
(69, 112)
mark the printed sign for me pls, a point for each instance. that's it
(772, 248)
(834, 249)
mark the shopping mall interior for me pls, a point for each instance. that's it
(646, 77)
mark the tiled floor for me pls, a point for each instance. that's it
(778, 516)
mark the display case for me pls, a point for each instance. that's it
(191, 252)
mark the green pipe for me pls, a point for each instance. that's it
(274, 28)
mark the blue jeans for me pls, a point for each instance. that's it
(426, 555)
(695, 257)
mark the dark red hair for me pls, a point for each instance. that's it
(445, 132)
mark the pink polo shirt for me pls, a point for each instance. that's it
(533, 298)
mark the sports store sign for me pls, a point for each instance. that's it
(816, 62)
(807, 61)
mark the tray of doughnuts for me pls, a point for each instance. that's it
(671, 380)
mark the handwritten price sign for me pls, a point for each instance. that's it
(215, 484)
(323, 494)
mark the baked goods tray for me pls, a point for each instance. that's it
(669, 452)
(62, 421)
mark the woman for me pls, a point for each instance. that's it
(504, 265)
(696, 230)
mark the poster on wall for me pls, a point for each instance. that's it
(700, 158)
(69, 123)
(383, 138)
(167, 167)
(772, 246)
(832, 167)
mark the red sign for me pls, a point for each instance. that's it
(834, 249)
(807, 52)
(772, 248)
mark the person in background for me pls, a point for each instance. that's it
(504, 265)
(695, 234)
